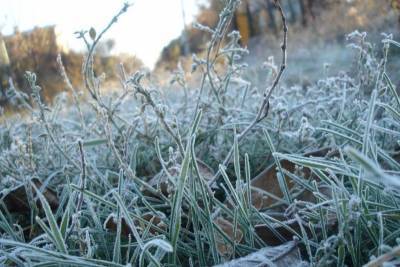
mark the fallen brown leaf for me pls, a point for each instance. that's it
(161, 182)
(223, 247)
(285, 255)
(277, 235)
(267, 182)
(16, 200)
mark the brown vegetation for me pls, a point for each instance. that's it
(37, 51)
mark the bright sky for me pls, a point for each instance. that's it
(144, 30)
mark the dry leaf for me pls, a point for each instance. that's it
(225, 248)
(16, 200)
(286, 255)
(92, 33)
(206, 172)
(270, 237)
(276, 234)
(161, 182)
(267, 181)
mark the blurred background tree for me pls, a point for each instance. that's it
(315, 20)
(37, 50)
(311, 22)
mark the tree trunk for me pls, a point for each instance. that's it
(271, 16)
(303, 13)
(292, 12)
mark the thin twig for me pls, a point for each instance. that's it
(264, 107)
(88, 72)
(88, 65)
(31, 78)
(83, 176)
(135, 82)
(215, 44)
(67, 81)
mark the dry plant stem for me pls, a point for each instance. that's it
(55, 143)
(384, 258)
(176, 138)
(126, 91)
(82, 187)
(83, 176)
(203, 79)
(42, 113)
(88, 73)
(125, 167)
(263, 109)
(88, 65)
(67, 81)
(215, 44)
(149, 100)
(210, 78)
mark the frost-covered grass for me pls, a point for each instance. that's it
(132, 172)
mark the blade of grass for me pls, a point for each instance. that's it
(281, 178)
(176, 211)
(56, 234)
